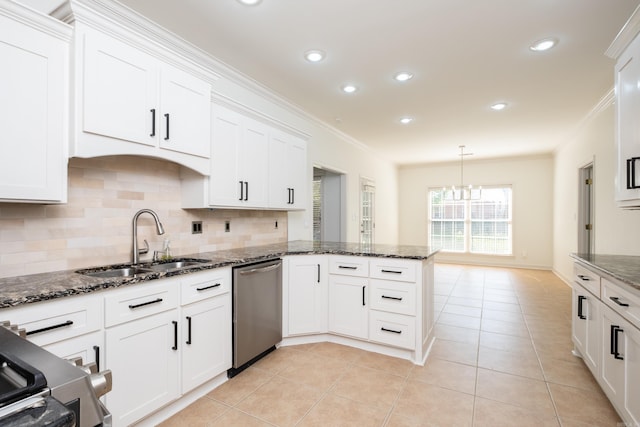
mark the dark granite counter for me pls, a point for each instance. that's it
(623, 268)
(15, 291)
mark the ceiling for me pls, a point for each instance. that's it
(465, 55)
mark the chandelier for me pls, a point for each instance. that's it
(463, 192)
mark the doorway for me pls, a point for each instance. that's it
(586, 241)
(329, 216)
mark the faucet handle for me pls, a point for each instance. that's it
(145, 249)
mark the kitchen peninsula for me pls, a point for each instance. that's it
(375, 297)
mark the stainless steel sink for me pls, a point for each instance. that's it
(117, 272)
(174, 264)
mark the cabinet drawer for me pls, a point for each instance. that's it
(393, 329)
(349, 266)
(57, 320)
(622, 301)
(141, 301)
(393, 269)
(394, 297)
(207, 284)
(587, 278)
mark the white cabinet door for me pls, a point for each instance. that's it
(224, 182)
(586, 327)
(33, 110)
(628, 135)
(185, 108)
(348, 306)
(120, 91)
(621, 365)
(287, 171)
(254, 164)
(143, 357)
(206, 340)
(307, 294)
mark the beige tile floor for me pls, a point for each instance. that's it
(502, 357)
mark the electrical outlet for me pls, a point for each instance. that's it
(196, 227)
(227, 226)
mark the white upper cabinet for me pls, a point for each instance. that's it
(134, 95)
(238, 167)
(33, 106)
(626, 50)
(287, 172)
(253, 166)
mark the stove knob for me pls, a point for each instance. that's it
(76, 361)
(90, 368)
(101, 382)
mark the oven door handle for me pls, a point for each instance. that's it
(35, 379)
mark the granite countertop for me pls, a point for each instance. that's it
(624, 268)
(20, 290)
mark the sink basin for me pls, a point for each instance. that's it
(174, 264)
(117, 272)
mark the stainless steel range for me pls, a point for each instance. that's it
(38, 388)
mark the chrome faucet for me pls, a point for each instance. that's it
(137, 252)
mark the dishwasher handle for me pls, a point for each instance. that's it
(261, 269)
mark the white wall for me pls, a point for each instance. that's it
(328, 148)
(532, 183)
(617, 231)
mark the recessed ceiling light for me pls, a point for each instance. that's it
(349, 88)
(499, 106)
(406, 120)
(314, 55)
(403, 76)
(249, 2)
(544, 44)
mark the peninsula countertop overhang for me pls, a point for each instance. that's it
(26, 289)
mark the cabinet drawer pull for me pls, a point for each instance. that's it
(208, 287)
(631, 173)
(318, 273)
(49, 328)
(142, 304)
(393, 298)
(392, 271)
(390, 330)
(583, 277)
(189, 330)
(96, 350)
(175, 335)
(580, 299)
(617, 301)
(614, 342)
(347, 267)
(153, 122)
(166, 116)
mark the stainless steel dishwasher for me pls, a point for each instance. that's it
(257, 312)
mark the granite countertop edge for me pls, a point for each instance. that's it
(622, 268)
(20, 290)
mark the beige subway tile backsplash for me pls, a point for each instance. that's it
(95, 226)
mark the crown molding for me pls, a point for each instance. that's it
(626, 35)
(34, 19)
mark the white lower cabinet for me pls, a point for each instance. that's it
(143, 357)
(348, 307)
(585, 329)
(306, 287)
(393, 329)
(606, 333)
(621, 365)
(165, 338)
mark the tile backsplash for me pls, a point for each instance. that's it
(95, 226)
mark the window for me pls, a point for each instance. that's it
(480, 226)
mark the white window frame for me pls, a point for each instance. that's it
(467, 227)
